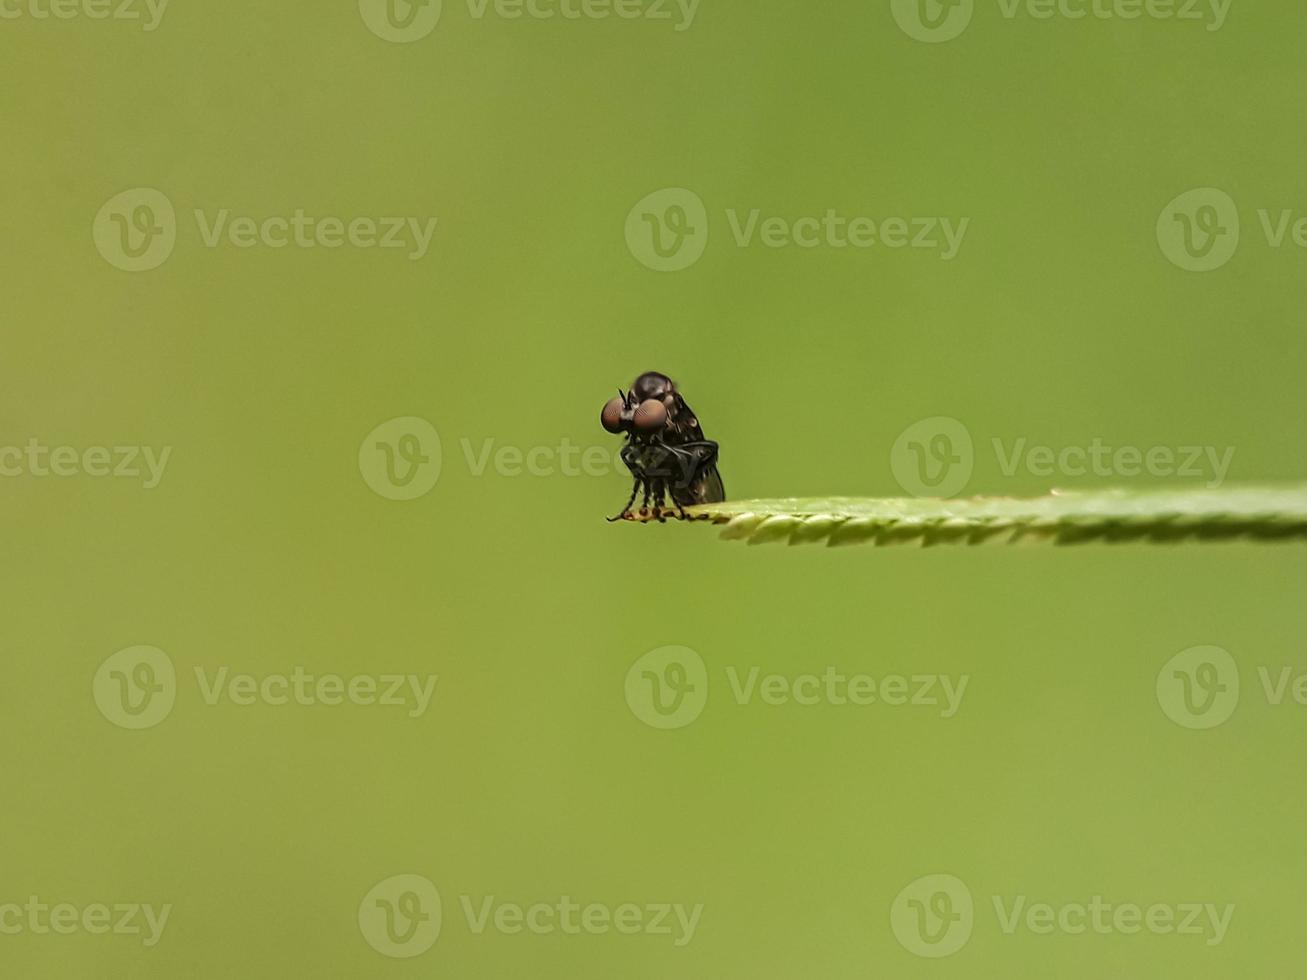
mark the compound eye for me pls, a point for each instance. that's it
(611, 416)
(650, 416)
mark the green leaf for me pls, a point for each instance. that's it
(1062, 517)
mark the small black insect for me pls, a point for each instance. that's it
(665, 449)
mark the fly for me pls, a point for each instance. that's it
(665, 447)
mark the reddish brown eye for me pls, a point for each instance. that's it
(650, 416)
(611, 417)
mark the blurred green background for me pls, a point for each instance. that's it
(263, 548)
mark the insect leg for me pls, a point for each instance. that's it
(660, 490)
(627, 509)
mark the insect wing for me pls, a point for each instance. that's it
(688, 421)
(708, 488)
